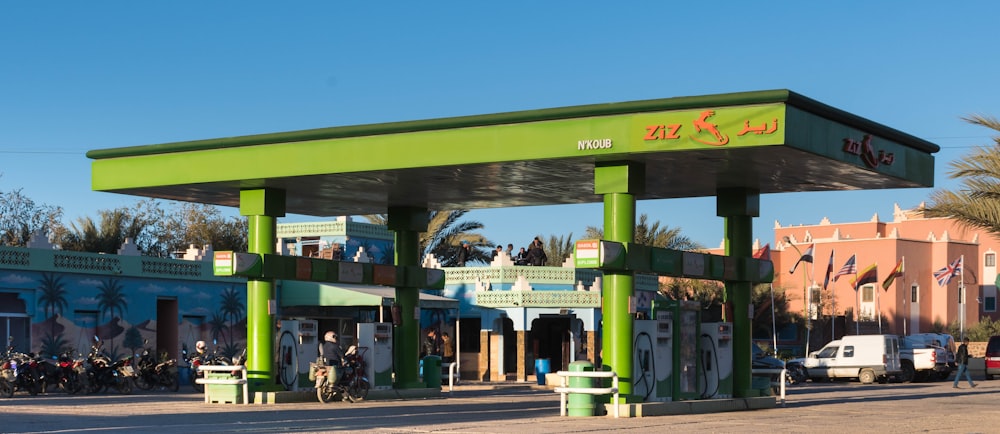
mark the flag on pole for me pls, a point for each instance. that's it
(829, 270)
(849, 268)
(945, 274)
(763, 253)
(806, 257)
(868, 275)
(896, 272)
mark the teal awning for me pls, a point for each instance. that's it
(302, 293)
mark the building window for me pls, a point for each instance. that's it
(867, 294)
(990, 260)
(989, 298)
(914, 293)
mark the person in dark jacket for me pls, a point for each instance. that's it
(536, 255)
(962, 359)
(464, 253)
(333, 355)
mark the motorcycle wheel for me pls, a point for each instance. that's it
(325, 393)
(124, 385)
(93, 385)
(173, 382)
(143, 383)
(358, 390)
(34, 387)
(6, 389)
(72, 384)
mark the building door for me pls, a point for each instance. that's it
(551, 339)
(914, 305)
(167, 327)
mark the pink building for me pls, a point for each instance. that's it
(914, 301)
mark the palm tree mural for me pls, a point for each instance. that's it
(53, 298)
(111, 299)
(232, 309)
(218, 325)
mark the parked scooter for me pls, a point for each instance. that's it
(151, 373)
(352, 385)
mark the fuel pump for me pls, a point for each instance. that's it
(375, 343)
(717, 359)
(644, 363)
(680, 319)
(298, 344)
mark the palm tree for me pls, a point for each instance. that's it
(109, 233)
(977, 202)
(53, 298)
(558, 249)
(111, 298)
(445, 234)
(232, 307)
(651, 236)
(218, 324)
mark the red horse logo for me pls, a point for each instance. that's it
(702, 124)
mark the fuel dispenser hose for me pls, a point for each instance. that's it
(704, 372)
(647, 364)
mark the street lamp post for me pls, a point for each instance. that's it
(805, 289)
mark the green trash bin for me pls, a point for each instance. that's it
(580, 404)
(432, 371)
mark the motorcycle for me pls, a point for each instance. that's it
(352, 385)
(63, 372)
(199, 359)
(24, 372)
(6, 379)
(102, 373)
(151, 373)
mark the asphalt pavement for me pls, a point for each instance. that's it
(518, 408)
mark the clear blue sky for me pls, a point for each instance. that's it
(77, 76)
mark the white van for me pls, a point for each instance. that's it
(865, 357)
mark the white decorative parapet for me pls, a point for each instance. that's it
(561, 299)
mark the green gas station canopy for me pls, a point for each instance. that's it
(771, 141)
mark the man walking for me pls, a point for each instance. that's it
(962, 358)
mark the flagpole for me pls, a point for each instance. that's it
(906, 312)
(857, 302)
(961, 296)
(833, 300)
(878, 301)
(774, 324)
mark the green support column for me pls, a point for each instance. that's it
(619, 182)
(738, 207)
(408, 223)
(262, 209)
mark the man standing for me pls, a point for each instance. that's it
(962, 358)
(447, 348)
(464, 252)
